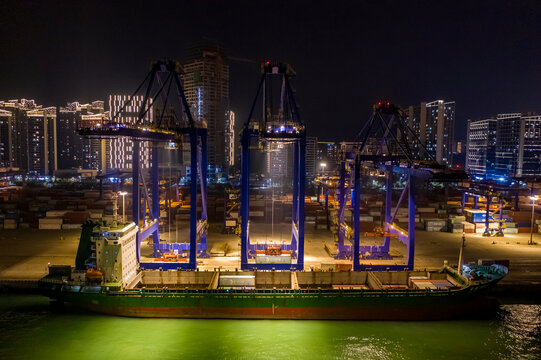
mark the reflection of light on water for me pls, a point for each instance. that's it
(371, 348)
(521, 331)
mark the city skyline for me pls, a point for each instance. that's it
(458, 56)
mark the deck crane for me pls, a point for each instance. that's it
(280, 121)
(163, 94)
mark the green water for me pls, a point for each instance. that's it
(28, 330)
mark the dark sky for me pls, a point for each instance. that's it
(485, 55)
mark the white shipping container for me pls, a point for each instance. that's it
(71, 226)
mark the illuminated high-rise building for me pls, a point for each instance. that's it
(529, 152)
(42, 141)
(508, 137)
(95, 151)
(75, 151)
(507, 145)
(206, 84)
(121, 149)
(19, 147)
(6, 124)
(311, 157)
(29, 136)
(327, 153)
(481, 156)
(278, 162)
(230, 138)
(433, 123)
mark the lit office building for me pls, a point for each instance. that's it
(481, 156)
(508, 145)
(508, 137)
(206, 84)
(121, 149)
(529, 154)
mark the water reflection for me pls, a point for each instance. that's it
(520, 331)
(514, 334)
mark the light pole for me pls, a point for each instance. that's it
(323, 166)
(123, 194)
(534, 198)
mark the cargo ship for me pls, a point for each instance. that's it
(123, 289)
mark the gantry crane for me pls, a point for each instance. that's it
(391, 150)
(280, 122)
(163, 91)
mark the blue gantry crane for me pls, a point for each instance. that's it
(173, 121)
(386, 143)
(280, 122)
(492, 197)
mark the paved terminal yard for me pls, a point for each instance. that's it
(26, 253)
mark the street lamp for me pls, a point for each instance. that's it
(323, 166)
(534, 198)
(123, 194)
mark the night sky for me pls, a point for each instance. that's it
(485, 55)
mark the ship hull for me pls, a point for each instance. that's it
(367, 305)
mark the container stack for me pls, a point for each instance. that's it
(50, 223)
(435, 225)
(455, 224)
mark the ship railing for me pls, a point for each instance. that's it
(293, 293)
